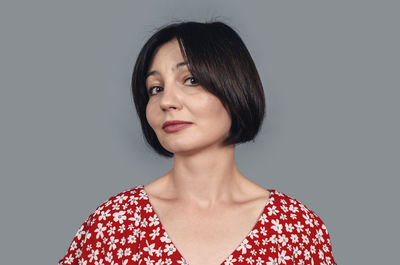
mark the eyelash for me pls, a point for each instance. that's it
(190, 77)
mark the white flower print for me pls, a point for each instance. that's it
(136, 218)
(119, 217)
(123, 241)
(253, 234)
(93, 255)
(82, 262)
(126, 230)
(121, 228)
(69, 259)
(149, 248)
(158, 252)
(100, 262)
(155, 233)
(87, 236)
(73, 245)
(111, 230)
(148, 208)
(133, 200)
(293, 208)
(262, 251)
(294, 238)
(283, 239)
(120, 198)
(120, 253)
(159, 262)
(264, 219)
(325, 248)
(284, 208)
(321, 254)
(296, 252)
(154, 221)
(165, 238)
(113, 243)
(299, 227)
(104, 215)
(319, 236)
(115, 207)
(244, 246)
(305, 239)
(273, 239)
(78, 253)
(263, 231)
(99, 230)
(272, 210)
(80, 232)
(259, 261)
(109, 257)
(170, 249)
(277, 226)
(131, 239)
(307, 254)
(272, 261)
(289, 227)
(283, 216)
(282, 257)
(230, 260)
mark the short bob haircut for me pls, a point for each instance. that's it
(221, 63)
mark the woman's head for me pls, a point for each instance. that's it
(223, 80)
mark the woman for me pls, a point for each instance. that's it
(198, 94)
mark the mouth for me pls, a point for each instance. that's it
(173, 126)
(174, 122)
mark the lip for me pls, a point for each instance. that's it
(174, 122)
(174, 126)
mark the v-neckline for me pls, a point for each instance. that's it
(269, 201)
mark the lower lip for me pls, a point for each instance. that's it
(176, 127)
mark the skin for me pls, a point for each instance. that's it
(204, 182)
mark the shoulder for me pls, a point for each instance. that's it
(115, 223)
(294, 211)
(126, 201)
(299, 230)
(293, 208)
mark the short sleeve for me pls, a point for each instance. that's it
(108, 236)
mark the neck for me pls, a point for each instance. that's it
(205, 178)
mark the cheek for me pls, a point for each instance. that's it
(151, 118)
(214, 112)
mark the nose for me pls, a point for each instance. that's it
(170, 97)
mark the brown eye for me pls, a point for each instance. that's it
(191, 81)
(151, 90)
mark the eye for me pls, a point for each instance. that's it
(151, 90)
(191, 81)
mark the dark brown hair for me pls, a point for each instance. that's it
(221, 63)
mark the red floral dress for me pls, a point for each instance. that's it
(125, 230)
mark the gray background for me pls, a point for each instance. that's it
(70, 137)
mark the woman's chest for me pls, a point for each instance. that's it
(208, 237)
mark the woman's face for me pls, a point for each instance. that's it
(175, 95)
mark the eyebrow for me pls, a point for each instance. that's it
(157, 73)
